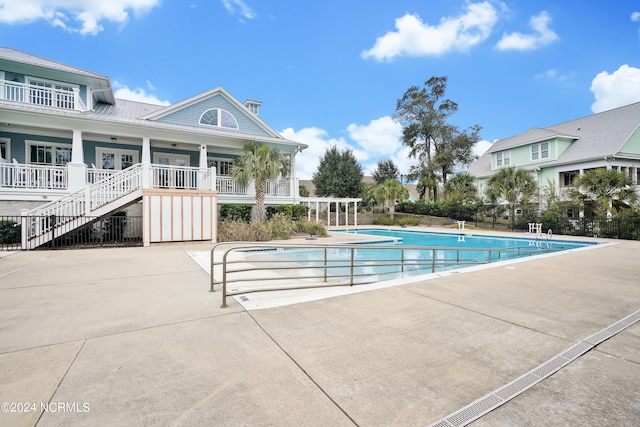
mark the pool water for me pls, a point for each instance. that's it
(458, 252)
(454, 240)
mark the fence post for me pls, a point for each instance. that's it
(23, 230)
(53, 230)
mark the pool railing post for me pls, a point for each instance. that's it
(224, 280)
(351, 268)
(402, 260)
(433, 260)
(325, 264)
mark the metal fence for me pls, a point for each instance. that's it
(116, 230)
(611, 228)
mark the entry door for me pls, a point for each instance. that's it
(116, 159)
(178, 177)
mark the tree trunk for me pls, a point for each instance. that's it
(260, 213)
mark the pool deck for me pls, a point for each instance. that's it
(132, 337)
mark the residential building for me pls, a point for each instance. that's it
(69, 148)
(558, 154)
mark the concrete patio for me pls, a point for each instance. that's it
(132, 337)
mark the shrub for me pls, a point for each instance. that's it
(311, 228)
(384, 220)
(232, 212)
(294, 212)
(280, 226)
(9, 232)
(408, 221)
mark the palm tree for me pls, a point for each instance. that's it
(602, 187)
(461, 188)
(512, 185)
(259, 162)
(390, 192)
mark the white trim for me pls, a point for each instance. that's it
(6, 141)
(117, 152)
(28, 143)
(218, 160)
(172, 158)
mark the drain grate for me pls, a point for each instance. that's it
(488, 403)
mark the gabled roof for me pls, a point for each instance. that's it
(203, 96)
(594, 137)
(24, 61)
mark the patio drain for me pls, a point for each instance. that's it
(499, 397)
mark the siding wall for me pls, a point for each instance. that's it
(190, 116)
(632, 145)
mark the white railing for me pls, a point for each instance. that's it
(39, 95)
(179, 177)
(118, 185)
(227, 185)
(95, 175)
(278, 187)
(72, 208)
(15, 175)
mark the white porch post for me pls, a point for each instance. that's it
(328, 214)
(293, 188)
(337, 213)
(317, 211)
(76, 168)
(355, 213)
(346, 215)
(146, 162)
(202, 165)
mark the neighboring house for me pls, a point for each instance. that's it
(558, 154)
(69, 148)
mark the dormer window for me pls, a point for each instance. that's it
(253, 106)
(219, 117)
(540, 151)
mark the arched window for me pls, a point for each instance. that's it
(219, 117)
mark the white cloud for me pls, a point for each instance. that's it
(635, 16)
(481, 147)
(138, 95)
(319, 142)
(553, 74)
(380, 137)
(542, 35)
(239, 7)
(378, 140)
(76, 16)
(622, 87)
(416, 38)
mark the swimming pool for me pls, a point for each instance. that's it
(394, 253)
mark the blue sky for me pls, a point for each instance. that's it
(329, 72)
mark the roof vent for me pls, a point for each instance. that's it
(253, 106)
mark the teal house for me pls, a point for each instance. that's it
(556, 155)
(69, 148)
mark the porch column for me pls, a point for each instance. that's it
(317, 211)
(77, 170)
(355, 213)
(346, 215)
(146, 162)
(337, 213)
(203, 184)
(203, 157)
(293, 188)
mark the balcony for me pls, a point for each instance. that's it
(41, 177)
(53, 96)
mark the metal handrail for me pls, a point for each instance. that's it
(327, 267)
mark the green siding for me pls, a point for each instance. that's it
(546, 175)
(521, 156)
(562, 146)
(632, 145)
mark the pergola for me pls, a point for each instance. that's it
(318, 201)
